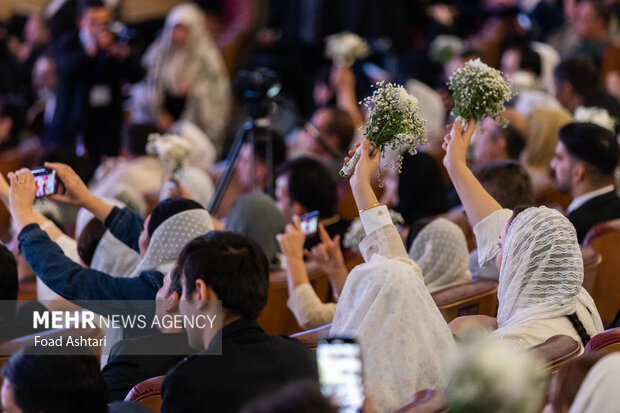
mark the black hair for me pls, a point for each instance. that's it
(84, 5)
(89, 239)
(580, 73)
(10, 108)
(9, 283)
(166, 209)
(302, 396)
(69, 382)
(135, 136)
(175, 282)
(311, 185)
(602, 10)
(341, 124)
(515, 142)
(233, 265)
(578, 326)
(530, 60)
(592, 144)
(174, 105)
(507, 181)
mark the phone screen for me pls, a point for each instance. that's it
(310, 223)
(46, 182)
(340, 373)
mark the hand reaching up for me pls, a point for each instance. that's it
(292, 241)
(75, 191)
(21, 196)
(456, 142)
(328, 254)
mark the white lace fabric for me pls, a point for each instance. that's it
(403, 336)
(170, 237)
(541, 278)
(440, 249)
(598, 393)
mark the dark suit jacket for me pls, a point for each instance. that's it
(599, 209)
(125, 369)
(252, 363)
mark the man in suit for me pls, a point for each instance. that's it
(238, 361)
(584, 163)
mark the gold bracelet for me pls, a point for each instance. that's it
(376, 204)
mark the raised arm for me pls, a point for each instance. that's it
(478, 203)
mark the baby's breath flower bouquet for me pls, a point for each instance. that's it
(488, 376)
(172, 150)
(444, 47)
(479, 91)
(355, 234)
(345, 48)
(596, 115)
(393, 122)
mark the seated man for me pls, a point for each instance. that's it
(231, 268)
(35, 381)
(304, 185)
(495, 143)
(584, 163)
(127, 367)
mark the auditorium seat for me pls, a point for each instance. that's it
(605, 239)
(591, 263)
(478, 297)
(556, 351)
(552, 198)
(608, 341)
(311, 337)
(425, 401)
(147, 393)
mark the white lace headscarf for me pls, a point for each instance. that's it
(440, 249)
(170, 237)
(403, 336)
(599, 391)
(542, 272)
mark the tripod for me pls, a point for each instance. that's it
(253, 131)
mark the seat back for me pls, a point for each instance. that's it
(474, 298)
(556, 351)
(425, 401)
(608, 341)
(605, 239)
(553, 198)
(311, 337)
(276, 318)
(148, 393)
(591, 262)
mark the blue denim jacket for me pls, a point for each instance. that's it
(74, 282)
(125, 225)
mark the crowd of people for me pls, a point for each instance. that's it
(267, 121)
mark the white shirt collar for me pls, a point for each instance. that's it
(580, 200)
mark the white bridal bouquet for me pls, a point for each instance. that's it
(393, 123)
(355, 234)
(345, 48)
(172, 150)
(488, 376)
(595, 115)
(479, 91)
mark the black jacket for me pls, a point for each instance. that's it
(252, 363)
(125, 369)
(599, 209)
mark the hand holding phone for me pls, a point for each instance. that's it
(340, 373)
(47, 182)
(310, 223)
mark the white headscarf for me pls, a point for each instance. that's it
(201, 63)
(542, 272)
(196, 182)
(440, 249)
(113, 257)
(203, 153)
(170, 237)
(403, 336)
(599, 391)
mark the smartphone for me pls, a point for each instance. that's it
(340, 373)
(46, 181)
(310, 223)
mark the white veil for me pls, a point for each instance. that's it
(440, 249)
(403, 336)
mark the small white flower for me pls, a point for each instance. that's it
(345, 48)
(595, 115)
(172, 150)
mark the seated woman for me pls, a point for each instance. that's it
(159, 240)
(440, 249)
(386, 306)
(536, 251)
